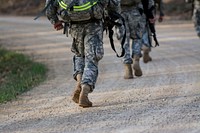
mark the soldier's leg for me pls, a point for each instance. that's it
(198, 22)
(146, 47)
(136, 54)
(78, 63)
(196, 19)
(127, 59)
(136, 31)
(93, 54)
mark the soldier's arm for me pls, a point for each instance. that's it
(51, 11)
(161, 8)
(151, 7)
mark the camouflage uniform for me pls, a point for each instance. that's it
(87, 41)
(135, 28)
(146, 39)
(146, 36)
(159, 4)
(196, 16)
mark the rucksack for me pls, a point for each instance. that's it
(130, 2)
(80, 10)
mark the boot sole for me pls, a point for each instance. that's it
(131, 77)
(85, 106)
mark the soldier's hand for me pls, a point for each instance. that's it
(58, 25)
(160, 19)
(152, 20)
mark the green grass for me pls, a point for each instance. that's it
(18, 74)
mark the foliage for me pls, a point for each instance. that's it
(18, 74)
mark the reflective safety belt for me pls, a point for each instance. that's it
(77, 8)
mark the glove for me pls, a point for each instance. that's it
(160, 19)
(58, 25)
(152, 20)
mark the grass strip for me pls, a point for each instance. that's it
(18, 74)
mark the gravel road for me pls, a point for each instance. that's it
(166, 99)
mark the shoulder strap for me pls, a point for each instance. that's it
(110, 29)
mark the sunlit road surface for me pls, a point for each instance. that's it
(166, 99)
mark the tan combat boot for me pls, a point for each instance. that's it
(128, 71)
(146, 57)
(83, 99)
(136, 66)
(77, 91)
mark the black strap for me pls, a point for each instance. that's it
(116, 15)
(149, 14)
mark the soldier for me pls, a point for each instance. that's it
(135, 29)
(147, 39)
(196, 14)
(86, 29)
(146, 42)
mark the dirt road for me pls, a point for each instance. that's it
(166, 99)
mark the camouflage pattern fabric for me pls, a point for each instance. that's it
(196, 16)
(146, 37)
(134, 31)
(89, 45)
(135, 28)
(87, 41)
(159, 4)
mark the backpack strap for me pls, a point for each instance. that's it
(110, 24)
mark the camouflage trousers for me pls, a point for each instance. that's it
(196, 19)
(134, 31)
(88, 48)
(146, 38)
